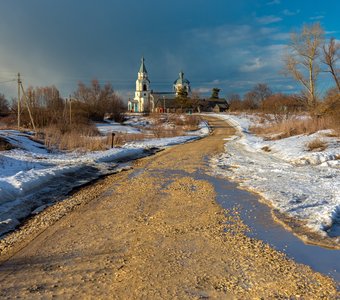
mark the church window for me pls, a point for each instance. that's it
(144, 87)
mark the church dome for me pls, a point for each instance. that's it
(181, 80)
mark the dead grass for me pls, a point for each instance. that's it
(5, 145)
(295, 126)
(266, 149)
(81, 137)
(177, 120)
(85, 137)
(161, 132)
(122, 138)
(316, 144)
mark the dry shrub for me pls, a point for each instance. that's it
(170, 125)
(122, 138)
(293, 126)
(5, 145)
(330, 109)
(161, 132)
(81, 136)
(186, 122)
(283, 104)
(266, 149)
(9, 122)
(316, 144)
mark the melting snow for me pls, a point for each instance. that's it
(303, 184)
(30, 172)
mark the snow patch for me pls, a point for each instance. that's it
(30, 170)
(305, 185)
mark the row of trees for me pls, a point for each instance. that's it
(261, 98)
(308, 55)
(4, 106)
(88, 102)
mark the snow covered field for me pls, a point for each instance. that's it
(303, 184)
(32, 178)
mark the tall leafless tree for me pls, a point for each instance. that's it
(97, 100)
(331, 53)
(302, 61)
(261, 92)
(46, 105)
(4, 109)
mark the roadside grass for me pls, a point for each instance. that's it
(185, 122)
(316, 144)
(81, 136)
(294, 125)
(123, 138)
(86, 137)
(5, 145)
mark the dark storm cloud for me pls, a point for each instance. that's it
(232, 44)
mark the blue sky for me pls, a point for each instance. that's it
(217, 43)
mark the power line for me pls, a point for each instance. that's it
(6, 81)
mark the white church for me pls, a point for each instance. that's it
(146, 100)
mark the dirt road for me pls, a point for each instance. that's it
(154, 232)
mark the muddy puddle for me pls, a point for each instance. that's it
(258, 217)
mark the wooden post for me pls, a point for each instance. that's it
(163, 104)
(112, 138)
(28, 106)
(19, 111)
(70, 102)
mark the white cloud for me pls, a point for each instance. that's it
(316, 18)
(245, 54)
(269, 19)
(281, 36)
(252, 66)
(287, 12)
(273, 2)
(202, 90)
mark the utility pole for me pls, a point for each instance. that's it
(70, 101)
(20, 86)
(28, 106)
(19, 112)
(163, 104)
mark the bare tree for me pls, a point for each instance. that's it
(302, 61)
(235, 102)
(98, 100)
(46, 105)
(331, 53)
(250, 101)
(4, 109)
(261, 92)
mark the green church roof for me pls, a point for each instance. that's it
(181, 79)
(142, 68)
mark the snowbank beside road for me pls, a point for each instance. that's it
(303, 184)
(109, 127)
(31, 176)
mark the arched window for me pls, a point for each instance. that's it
(144, 87)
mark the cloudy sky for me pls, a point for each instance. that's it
(217, 43)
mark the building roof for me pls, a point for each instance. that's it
(223, 106)
(166, 103)
(181, 80)
(161, 94)
(142, 68)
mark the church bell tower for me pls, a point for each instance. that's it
(142, 93)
